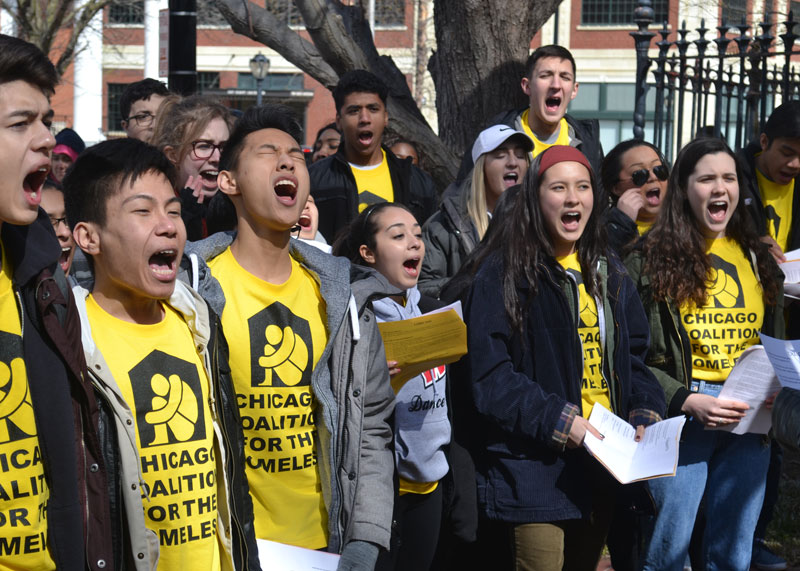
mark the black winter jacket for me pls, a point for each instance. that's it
(79, 523)
(583, 134)
(334, 189)
(525, 389)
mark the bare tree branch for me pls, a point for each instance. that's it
(255, 22)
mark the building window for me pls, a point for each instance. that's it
(114, 117)
(207, 80)
(734, 12)
(390, 13)
(612, 104)
(618, 12)
(794, 6)
(126, 12)
(273, 82)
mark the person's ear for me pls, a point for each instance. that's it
(574, 91)
(87, 237)
(366, 254)
(227, 183)
(171, 154)
(124, 124)
(763, 141)
(526, 86)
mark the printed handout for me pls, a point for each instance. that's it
(752, 380)
(421, 343)
(655, 456)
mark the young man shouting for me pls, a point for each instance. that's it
(156, 354)
(306, 356)
(54, 501)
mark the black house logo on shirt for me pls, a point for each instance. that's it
(168, 400)
(281, 348)
(16, 411)
(725, 289)
(773, 219)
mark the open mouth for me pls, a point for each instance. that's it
(411, 266)
(653, 196)
(365, 138)
(305, 221)
(553, 103)
(286, 190)
(717, 210)
(571, 221)
(209, 178)
(64, 258)
(163, 264)
(32, 185)
(510, 179)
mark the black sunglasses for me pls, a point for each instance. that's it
(643, 175)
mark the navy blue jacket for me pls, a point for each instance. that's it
(525, 390)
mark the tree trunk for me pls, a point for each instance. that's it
(482, 46)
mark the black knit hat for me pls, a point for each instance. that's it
(69, 138)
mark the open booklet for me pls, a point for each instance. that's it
(654, 456)
(421, 343)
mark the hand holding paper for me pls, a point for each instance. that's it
(655, 456)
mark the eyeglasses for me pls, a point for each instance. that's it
(204, 149)
(56, 221)
(643, 175)
(142, 119)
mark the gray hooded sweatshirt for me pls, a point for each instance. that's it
(421, 426)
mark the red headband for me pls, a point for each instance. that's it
(560, 154)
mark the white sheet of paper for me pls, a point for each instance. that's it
(785, 359)
(281, 557)
(792, 255)
(655, 456)
(791, 271)
(752, 380)
(456, 305)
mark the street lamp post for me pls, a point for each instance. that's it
(259, 67)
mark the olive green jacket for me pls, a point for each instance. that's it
(670, 353)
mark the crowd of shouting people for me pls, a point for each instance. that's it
(191, 361)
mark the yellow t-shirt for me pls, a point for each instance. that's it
(276, 334)
(777, 200)
(539, 146)
(594, 388)
(643, 227)
(161, 376)
(374, 183)
(731, 319)
(23, 489)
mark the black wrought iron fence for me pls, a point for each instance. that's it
(725, 86)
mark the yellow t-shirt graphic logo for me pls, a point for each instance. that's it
(724, 288)
(15, 404)
(175, 408)
(285, 353)
(168, 399)
(281, 348)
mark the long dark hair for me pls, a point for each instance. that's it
(527, 248)
(674, 250)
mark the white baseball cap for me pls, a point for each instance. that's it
(491, 138)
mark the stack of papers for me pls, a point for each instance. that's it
(419, 344)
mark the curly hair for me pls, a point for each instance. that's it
(675, 257)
